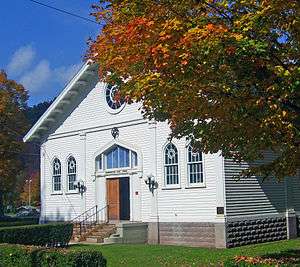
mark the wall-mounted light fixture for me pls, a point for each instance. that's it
(80, 186)
(150, 181)
(115, 132)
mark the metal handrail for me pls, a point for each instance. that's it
(82, 214)
(86, 224)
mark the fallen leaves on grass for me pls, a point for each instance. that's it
(265, 261)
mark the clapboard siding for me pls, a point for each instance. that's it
(91, 112)
(63, 206)
(87, 129)
(251, 196)
(296, 193)
(186, 204)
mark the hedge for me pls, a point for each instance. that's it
(18, 219)
(50, 235)
(19, 222)
(21, 256)
(83, 258)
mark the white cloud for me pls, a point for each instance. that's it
(39, 78)
(64, 74)
(21, 60)
(43, 77)
(35, 79)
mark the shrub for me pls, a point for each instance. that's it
(18, 219)
(19, 256)
(50, 235)
(84, 258)
(14, 255)
(19, 222)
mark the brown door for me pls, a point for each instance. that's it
(113, 198)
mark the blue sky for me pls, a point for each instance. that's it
(41, 48)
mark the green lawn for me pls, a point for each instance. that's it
(158, 255)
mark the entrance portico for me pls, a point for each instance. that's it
(118, 181)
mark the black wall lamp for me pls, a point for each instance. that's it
(80, 186)
(150, 181)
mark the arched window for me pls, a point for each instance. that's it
(56, 177)
(72, 173)
(116, 157)
(171, 165)
(195, 166)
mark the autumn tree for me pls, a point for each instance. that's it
(31, 190)
(224, 74)
(13, 124)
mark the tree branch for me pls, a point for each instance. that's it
(222, 14)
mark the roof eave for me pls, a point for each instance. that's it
(63, 98)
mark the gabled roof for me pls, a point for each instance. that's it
(82, 79)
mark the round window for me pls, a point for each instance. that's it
(113, 97)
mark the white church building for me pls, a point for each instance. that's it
(99, 152)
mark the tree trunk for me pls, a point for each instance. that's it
(1, 205)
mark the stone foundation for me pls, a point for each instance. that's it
(254, 231)
(183, 233)
(220, 235)
(291, 224)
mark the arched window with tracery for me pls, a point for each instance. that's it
(171, 165)
(117, 157)
(72, 173)
(56, 175)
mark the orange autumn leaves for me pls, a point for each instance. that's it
(13, 98)
(34, 197)
(214, 70)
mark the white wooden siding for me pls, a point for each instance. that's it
(60, 206)
(186, 204)
(91, 112)
(87, 129)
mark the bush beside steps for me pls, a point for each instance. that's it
(49, 235)
(27, 256)
(15, 221)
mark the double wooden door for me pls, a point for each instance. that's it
(118, 198)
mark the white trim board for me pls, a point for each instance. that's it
(38, 125)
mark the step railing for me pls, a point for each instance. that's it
(90, 218)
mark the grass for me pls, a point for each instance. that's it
(159, 255)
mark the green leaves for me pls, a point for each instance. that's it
(214, 70)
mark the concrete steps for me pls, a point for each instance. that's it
(76, 232)
(99, 233)
(119, 233)
(94, 239)
(114, 239)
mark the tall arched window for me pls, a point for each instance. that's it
(56, 176)
(195, 166)
(171, 165)
(72, 173)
